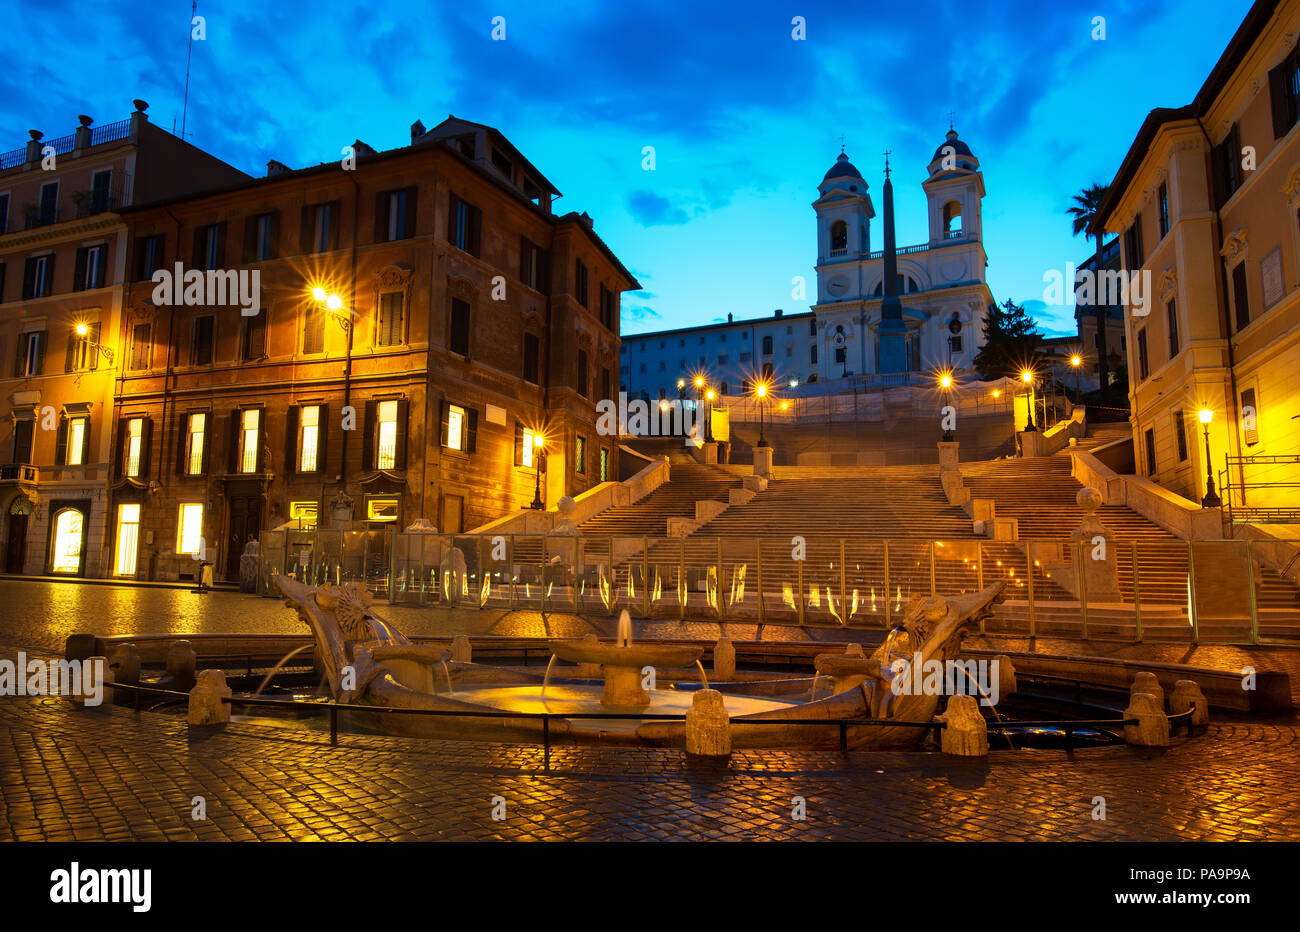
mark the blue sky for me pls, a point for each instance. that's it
(744, 120)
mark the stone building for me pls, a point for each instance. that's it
(63, 253)
(420, 316)
(1207, 204)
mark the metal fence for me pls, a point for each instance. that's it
(1186, 591)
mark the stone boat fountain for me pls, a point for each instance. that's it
(371, 664)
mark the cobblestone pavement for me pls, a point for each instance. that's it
(72, 774)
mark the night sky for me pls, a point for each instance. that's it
(744, 120)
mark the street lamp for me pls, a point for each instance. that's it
(83, 331)
(1210, 499)
(539, 451)
(945, 384)
(760, 391)
(1027, 377)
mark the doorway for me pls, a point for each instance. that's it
(128, 539)
(453, 514)
(245, 525)
(16, 545)
(67, 554)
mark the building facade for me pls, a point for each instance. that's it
(1207, 204)
(1089, 343)
(420, 317)
(63, 256)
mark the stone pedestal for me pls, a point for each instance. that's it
(724, 660)
(124, 664)
(710, 451)
(206, 707)
(623, 688)
(965, 734)
(1148, 683)
(708, 726)
(1152, 728)
(763, 462)
(79, 647)
(181, 664)
(461, 651)
(948, 455)
(1186, 695)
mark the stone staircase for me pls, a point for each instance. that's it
(688, 483)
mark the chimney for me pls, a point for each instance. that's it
(730, 317)
(274, 168)
(361, 148)
(780, 311)
(34, 146)
(586, 218)
(417, 130)
(81, 138)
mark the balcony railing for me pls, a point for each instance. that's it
(18, 472)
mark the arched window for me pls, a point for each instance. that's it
(723, 389)
(839, 238)
(906, 285)
(952, 219)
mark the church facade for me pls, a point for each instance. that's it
(940, 284)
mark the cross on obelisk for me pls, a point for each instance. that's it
(887, 154)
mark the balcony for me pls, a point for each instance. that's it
(19, 472)
(41, 216)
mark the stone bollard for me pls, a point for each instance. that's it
(79, 647)
(1186, 694)
(461, 651)
(1148, 683)
(1006, 676)
(181, 664)
(724, 660)
(206, 707)
(589, 671)
(1152, 728)
(965, 734)
(124, 662)
(708, 726)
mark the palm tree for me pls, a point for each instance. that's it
(1086, 205)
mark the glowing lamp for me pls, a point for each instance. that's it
(1206, 415)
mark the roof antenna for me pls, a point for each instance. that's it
(194, 7)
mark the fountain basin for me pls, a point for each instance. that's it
(623, 665)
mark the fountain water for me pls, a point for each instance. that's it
(447, 674)
(276, 669)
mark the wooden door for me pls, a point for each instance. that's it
(245, 525)
(16, 548)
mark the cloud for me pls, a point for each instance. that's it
(651, 210)
(639, 312)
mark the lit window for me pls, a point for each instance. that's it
(386, 457)
(309, 437)
(134, 441)
(580, 455)
(69, 538)
(194, 445)
(382, 509)
(455, 427)
(251, 419)
(189, 528)
(305, 513)
(77, 428)
(128, 539)
(526, 448)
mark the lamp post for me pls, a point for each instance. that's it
(760, 391)
(539, 451)
(1028, 378)
(1076, 363)
(945, 383)
(1211, 498)
(83, 331)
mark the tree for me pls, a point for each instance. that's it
(1087, 204)
(1011, 341)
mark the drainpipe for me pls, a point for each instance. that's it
(171, 340)
(352, 309)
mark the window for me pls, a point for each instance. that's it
(133, 451)
(1284, 93)
(88, 272)
(1171, 318)
(954, 344)
(1144, 368)
(604, 464)
(148, 256)
(1249, 418)
(73, 442)
(250, 423)
(201, 340)
(31, 354)
(305, 513)
(584, 385)
(386, 449)
(1180, 435)
(525, 446)
(767, 346)
(812, 354)
(69, 541)
(1226, 158)
(463, 226)
(254, 342)
(1151, 451)
(48, 211)
(839, 238)
(605, 382)
(100, 184)
(580, 455)
(458, 339)
(38, 277)
(313, 329)
(193, 459)
(1133, 244)
(841, 356)
(324, 224)
(459, 428)
(607, 308)
(744, 358)
(789, 351)
(1164, 209)
(952, 219)
(189, 528)
(83, 351)
(141, 346)
(532, 356)
(532, 267)
(580, 281)
(23, 433)
(812, 327)
(261, 236)
(391, 307)
(1240, 295)
(4, 213)
(383, 509)
(395, 215)
(128, 539)
(309, 428)
(208, 246)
